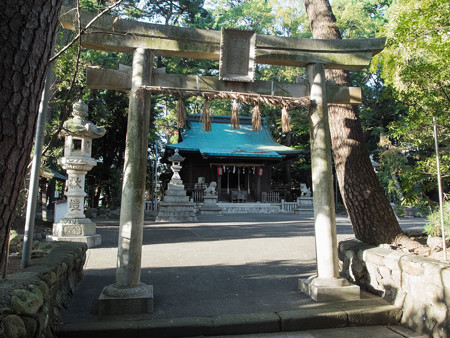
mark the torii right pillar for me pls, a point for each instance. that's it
(326, 285)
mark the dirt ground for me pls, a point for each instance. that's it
(14, 264)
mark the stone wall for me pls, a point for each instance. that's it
(420, 285)
(31, 300)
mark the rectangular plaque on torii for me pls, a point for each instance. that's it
(237, 55)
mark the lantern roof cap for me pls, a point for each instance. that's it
(176, 157)
(79, 125)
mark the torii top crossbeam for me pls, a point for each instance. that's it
(118, 35)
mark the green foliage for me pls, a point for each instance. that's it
(358, 19)
(272, 17)
(434, 225)
(290, 19)
(416, 64)
(415, 59)
(89, 5)
(174, 12)
(393, 169)
(379, 108)
(364, 19)
(253, 14)
(107, 109)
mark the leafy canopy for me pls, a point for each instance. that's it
(416, 64)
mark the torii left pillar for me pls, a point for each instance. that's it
(128, 295)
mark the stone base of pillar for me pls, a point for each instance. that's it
(329, 289)
(76, 230)
(175, 206)
(176, 212)
(304, 212)
(210, 206)
(118, 301)
(91, 241)
(305, 206)
(210, 210)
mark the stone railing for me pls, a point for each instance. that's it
(31, 300)
(420, 285)
(149, 206)
(288, 206)
(248, 208)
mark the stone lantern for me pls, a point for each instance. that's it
(77, 161)
(176, 160)
(176, 206)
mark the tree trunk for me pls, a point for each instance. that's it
(27, 31)
(97, 195)
(372, 217)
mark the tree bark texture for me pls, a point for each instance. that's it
(372, 217)
(27, 32)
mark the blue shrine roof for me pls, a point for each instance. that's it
(223, 141)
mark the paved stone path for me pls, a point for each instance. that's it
(217, 266)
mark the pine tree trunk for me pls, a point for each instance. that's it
(27, 31)
(372, 217)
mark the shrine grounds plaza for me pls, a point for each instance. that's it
(220, 265)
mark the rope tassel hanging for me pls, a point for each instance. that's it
(206, 117)
(256, 118)
(235, 115)
(285, 119)
(181, 114)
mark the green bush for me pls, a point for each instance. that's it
(433, 226)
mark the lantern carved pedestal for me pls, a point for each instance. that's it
(77, 161)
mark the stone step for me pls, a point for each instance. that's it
(304, 211)
(176, 219)
(168, 215)
(344, 314)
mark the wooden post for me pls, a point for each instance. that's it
(219, 186)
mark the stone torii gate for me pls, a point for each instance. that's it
(144, 40)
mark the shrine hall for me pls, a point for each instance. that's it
(239, 160)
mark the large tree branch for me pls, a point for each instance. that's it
(444, 91)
